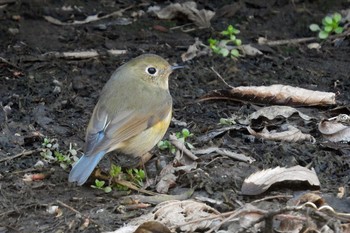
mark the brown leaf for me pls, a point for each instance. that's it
(290, 134)
(179, 213)
(249, 50)
(195, 50)
(336, 129)
(152, 227)
(167, 180)
(225, 152)
(201, 18)
(273, 111)
(260, 181)
(274, 94)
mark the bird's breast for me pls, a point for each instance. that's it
(147, 139)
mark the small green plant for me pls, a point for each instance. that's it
(100, 184)
(137, 176)
(51, 153)
(227, 121)
(182, 136)
(221, 46)
(115, 171)
(165, 144)
(330, 24)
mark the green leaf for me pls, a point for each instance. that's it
(314, 27)
(107, 189)
(238, 42)
(235, 53)
(328, 29)
(212, 42)
(173, 150)
(185, 133)
(232, 37)
(224, 52)
(236, 31)
(225, 121)
(99, 183)
(328, 20)
(338, 30)
(216, 49)
(115, 170)
(162, 145)
(129, 171)
(323, 35)
(230, 28)
(337, 17)
(225, 33)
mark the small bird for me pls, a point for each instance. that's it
(131, 116)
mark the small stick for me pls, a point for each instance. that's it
(222, 79)
(24, 153)
(299, 40)
(88, 19)
(69, 207)
(9, 63)
(77, 212)
(179, 145)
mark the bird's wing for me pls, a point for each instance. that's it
(106, 132)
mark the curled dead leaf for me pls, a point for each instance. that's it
(273, 111)
(178, 213)
(260, 181)
(201, 18)
(152, 227)
(195, 50)
(274, 94)
(336, 129)
(289, 134)
(249, 50)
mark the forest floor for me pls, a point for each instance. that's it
(45, 95)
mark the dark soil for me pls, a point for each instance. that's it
(47, 97)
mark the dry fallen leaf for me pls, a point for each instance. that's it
(260, 181)
(336, 129)
(152, 227)
(201, 18)
(314, 198)
(249, 50)
(178, 214)
(195, 50)
(273, 111)
(274, 94)
(167, 180)
(290, 134)
(225, 152)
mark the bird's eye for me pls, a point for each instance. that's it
(151, 70)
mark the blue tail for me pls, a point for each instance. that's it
(84, 167)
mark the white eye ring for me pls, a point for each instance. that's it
(151, 70)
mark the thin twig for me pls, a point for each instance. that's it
(133, 187)
(88, 19)
(24, 153)
(74, 55)
(9, 63)
(181, 146)
(288, 41)
(69, 207)
(222, 79)
(300, 40)
(272, 197)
